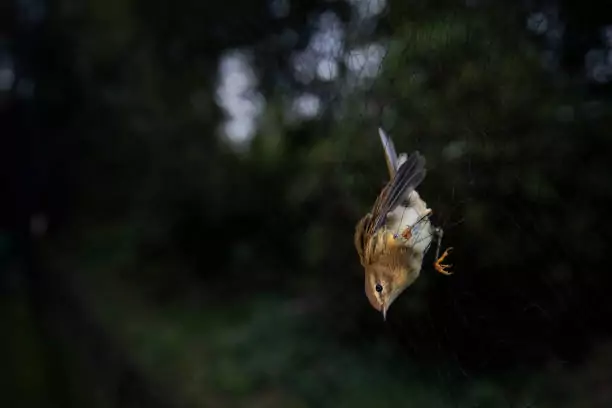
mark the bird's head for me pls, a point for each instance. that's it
(384, 283)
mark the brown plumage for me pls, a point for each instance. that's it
(392, 239)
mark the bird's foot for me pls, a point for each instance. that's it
(407, 233)
(443, 268)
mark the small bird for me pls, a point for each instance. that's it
(393, 238)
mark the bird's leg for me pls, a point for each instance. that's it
(440, 267)
(438, 232)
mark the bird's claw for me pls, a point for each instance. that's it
(443, 268)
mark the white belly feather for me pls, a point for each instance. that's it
(414, 216)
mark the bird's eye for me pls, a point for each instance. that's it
(378, 287)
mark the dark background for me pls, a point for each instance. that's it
(146, 259)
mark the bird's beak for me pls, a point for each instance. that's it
(384, 312)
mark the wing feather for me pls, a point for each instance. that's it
(407, 178)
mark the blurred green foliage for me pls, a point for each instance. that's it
(230, 278)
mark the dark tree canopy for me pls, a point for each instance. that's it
(149, 257)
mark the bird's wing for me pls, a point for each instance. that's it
(359, 237)
(407, 178)
(390, 153)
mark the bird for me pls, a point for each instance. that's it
(394, 236)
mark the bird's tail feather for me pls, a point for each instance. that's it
(390, 154)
